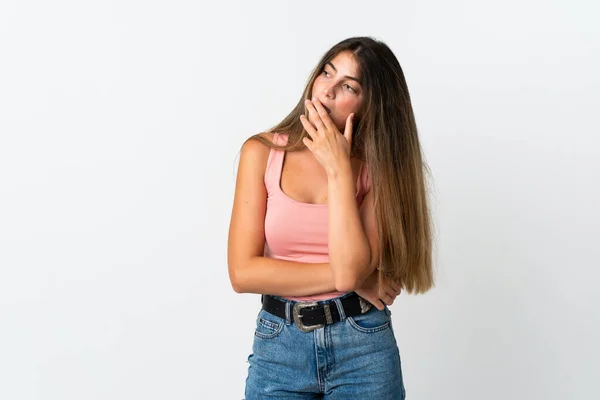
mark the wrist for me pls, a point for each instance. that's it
(339, 170)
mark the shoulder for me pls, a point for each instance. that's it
(255, 154)
(253, 147)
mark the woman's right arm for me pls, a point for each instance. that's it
(249, 270)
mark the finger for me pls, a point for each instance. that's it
(308, 143)
(311, 112)
(324, 115)
(316, 117)
(308, 126)
(348, 129)
(389, 285)
(389, 292)
(374, 301)
(396, 286)
(387, 299)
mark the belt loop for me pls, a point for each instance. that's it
(288, 317)
(340, 308)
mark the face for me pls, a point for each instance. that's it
(338, 89)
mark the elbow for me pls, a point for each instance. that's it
(350, 279)
(346, 281)
(236, 281)
(346, 285)
(237, 288)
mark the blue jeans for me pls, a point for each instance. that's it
(355, 358)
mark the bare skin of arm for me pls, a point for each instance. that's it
(251, 272)
(352, 254)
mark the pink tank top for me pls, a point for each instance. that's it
(296, 231)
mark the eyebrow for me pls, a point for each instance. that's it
(349, 77)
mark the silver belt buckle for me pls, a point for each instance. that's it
(298, 318)
(364, 305)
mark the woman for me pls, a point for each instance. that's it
(330, 218)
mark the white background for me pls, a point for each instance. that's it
(121, 123)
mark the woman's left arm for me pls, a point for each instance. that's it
(353, 252)
(353, 238)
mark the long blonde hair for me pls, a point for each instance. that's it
(386, 138)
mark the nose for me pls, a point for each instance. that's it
(329, 91)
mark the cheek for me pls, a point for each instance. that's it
(339, 119)
(348, 106)
(316, 86)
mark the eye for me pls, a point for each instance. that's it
(351, 88)
(325, 73)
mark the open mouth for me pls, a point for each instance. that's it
(326, 109)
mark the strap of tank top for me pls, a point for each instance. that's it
(364, 183)
(365, 178)
(274, 164)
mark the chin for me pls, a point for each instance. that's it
(335, 120)
(341, 125)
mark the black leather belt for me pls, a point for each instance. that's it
(312, 315)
